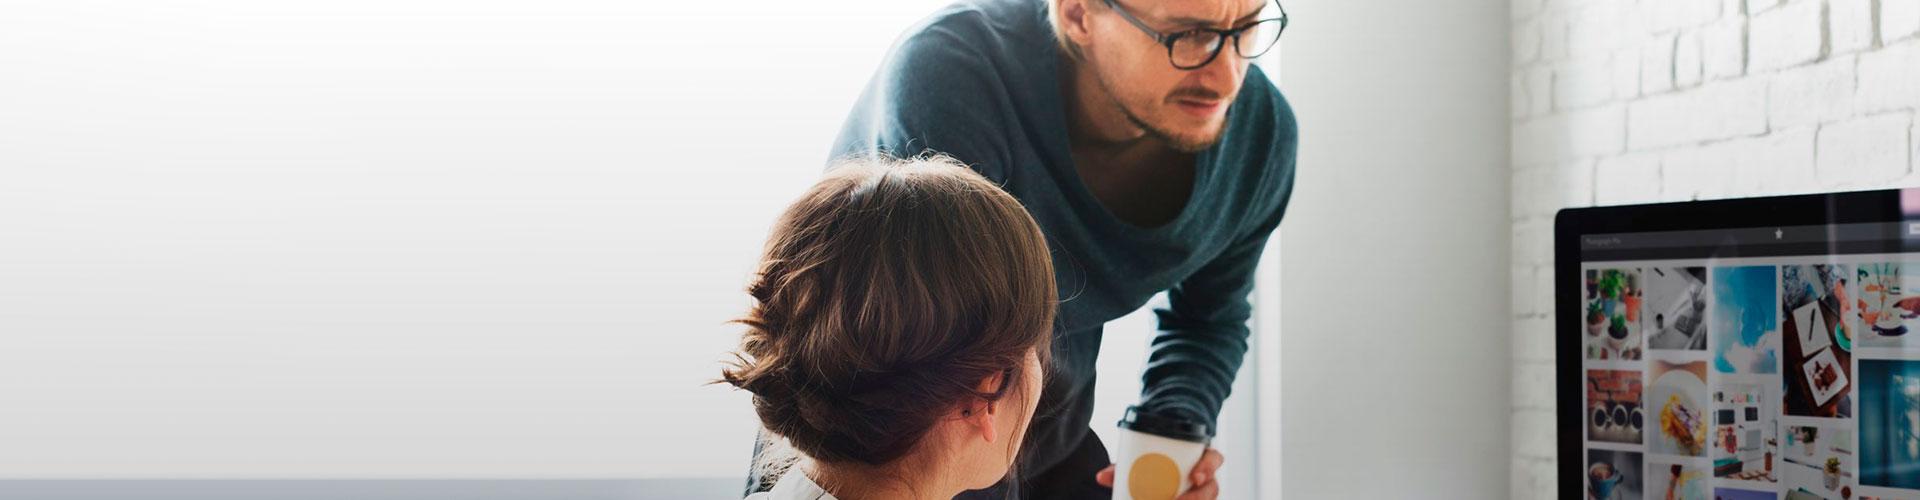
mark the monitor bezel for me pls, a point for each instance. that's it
(1569, 224)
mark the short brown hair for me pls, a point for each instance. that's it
(885, 295)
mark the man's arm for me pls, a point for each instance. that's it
(1202, 335)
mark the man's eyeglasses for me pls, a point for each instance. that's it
(1194, 48)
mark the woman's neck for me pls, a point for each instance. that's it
(863, 482)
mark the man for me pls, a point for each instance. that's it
(1154, 157)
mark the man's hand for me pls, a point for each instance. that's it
(1204, 486)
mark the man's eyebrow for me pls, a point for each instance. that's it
(1195, 21)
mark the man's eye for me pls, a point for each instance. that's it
(1196, 39)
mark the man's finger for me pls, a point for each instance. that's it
(1104, 477)
(1209, 463)
(1209, 491)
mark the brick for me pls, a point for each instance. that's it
(1522, 280)
(1899, 19)
(1533, 378)
(1864, 152)
(1627, 179)
(1526, 42)
(1523, 9)
(1600, 28)
(1850, 25)
(1534, 479)
(1517, 95)
(1668, 15)
(1565, 136)
(1543, 280)
(1781, 162)
(1540, 96)
(1723, 49)
(1533, 246)
(1700, 173)
(1758, 6)
(1626, 73)
(1688, 69)
(1810, 95)
(1890, 78)
(1529, 193)
(1574, 181)
(1533, 431)
(1785, 36)
(1524, 196)
(1582, 84)
(1656, 64)
(1538, 192)
(1553, 35)
(1719, 110)
(1533, 340)
(1778, 163)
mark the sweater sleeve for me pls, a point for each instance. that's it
(1202, 330)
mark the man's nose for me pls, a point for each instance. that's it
(1224, 69)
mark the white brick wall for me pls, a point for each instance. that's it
(1888, 78)
(1656, 63)
(1630, 101)
(1851, 22)
(1864, 152)
(1899, 19)
(1786, 36)
(1724, 47)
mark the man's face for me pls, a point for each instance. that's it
(1185, 108)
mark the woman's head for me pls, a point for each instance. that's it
(902, 310)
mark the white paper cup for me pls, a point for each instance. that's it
(1154, 454)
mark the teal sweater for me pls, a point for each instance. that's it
(979, 81)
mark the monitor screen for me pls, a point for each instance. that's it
(1757, 348)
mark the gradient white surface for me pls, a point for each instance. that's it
(415, 238)
(398, 238)
(1394, 265)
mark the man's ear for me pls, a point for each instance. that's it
(1073, 21)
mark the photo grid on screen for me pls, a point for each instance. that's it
(1790, 377)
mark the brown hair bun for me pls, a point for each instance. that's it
(886, 293)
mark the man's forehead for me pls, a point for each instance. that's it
(1206, 11)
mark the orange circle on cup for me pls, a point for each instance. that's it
(1153, 476)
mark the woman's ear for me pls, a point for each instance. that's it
(980, 420)
(979, 413)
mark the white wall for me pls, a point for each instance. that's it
(1616, 101)
(1394, 259)
(398, 238)
(415, 238)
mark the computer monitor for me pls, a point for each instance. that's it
(1733, 349)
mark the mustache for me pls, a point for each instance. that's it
(1195, 93)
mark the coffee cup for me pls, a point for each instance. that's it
(1154, 455)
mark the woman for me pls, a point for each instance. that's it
(899, 333)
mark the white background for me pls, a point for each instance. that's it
(398, 238)
(1394, 271)
(411, 238)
